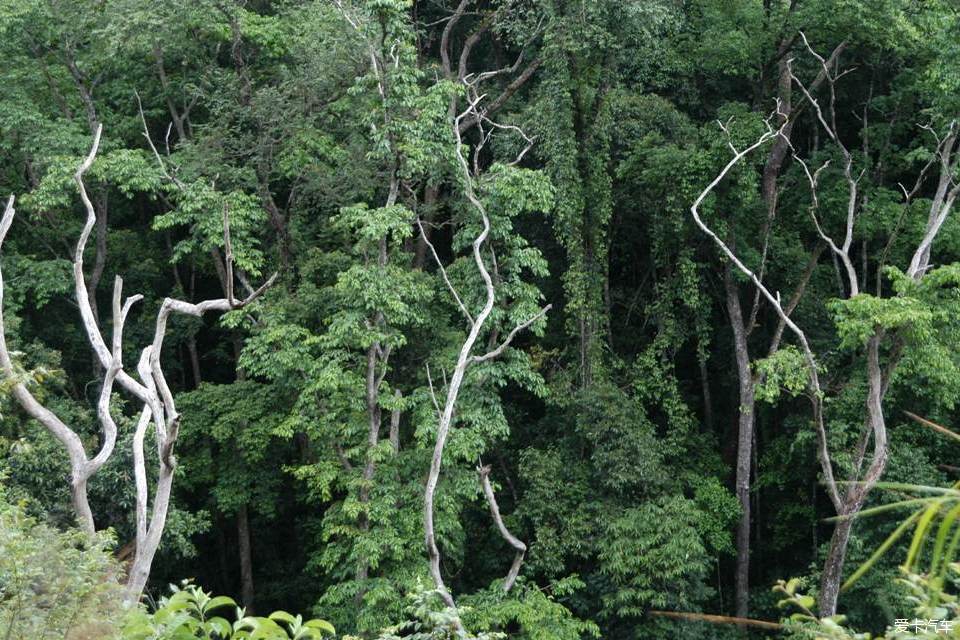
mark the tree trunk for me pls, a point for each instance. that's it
(194, 360)
(744, 443)
(223, 562)
(745, 377)
(395, 424)
(856, 495)
(705, 392)
(148, 537)
(81, 506)
(374, 415)
(246, 559)
(430, 194)
(832, 575)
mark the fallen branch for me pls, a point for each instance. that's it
(715, 619)
(933, 425)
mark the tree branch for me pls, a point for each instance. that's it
(443, 272)
(67, 437)
(512, 540)
(517, 329)
(816, 392)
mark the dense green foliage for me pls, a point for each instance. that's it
(62, 585)
(54, 584)
(612, 427)
(189, 612)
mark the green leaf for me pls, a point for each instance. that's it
(282, 616)
(321, 625)
(220, 601)
(882, 549)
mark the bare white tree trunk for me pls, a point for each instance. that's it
(151, 390)
(851, 502)
(465, 357)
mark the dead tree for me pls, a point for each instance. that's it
(744, 324)
(877, 374)
(456, 68)
(223, 265)
(849, 502)
(150, 388)
(466, 357)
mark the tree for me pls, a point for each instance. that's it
(152, 390)
(465, 359)
(872, 327)
(647, 445)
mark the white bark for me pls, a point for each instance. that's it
(151, 390)
(465, 357)
(828, 121)
(81, 468)
(948, 188)
(816, 394)
(512, 540)
(850, 503)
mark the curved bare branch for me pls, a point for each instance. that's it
(816, 393)
(512, 540)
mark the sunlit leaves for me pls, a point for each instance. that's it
(201, 208)
(784, 371)
(190, 612)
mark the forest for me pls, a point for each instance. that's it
(479, 319)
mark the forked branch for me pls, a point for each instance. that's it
(151, 390)
(465, 357)
(512, 540)
(816, 394)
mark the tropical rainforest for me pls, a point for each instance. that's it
(534, 319)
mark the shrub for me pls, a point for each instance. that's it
(190, 613)
(54, 584)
